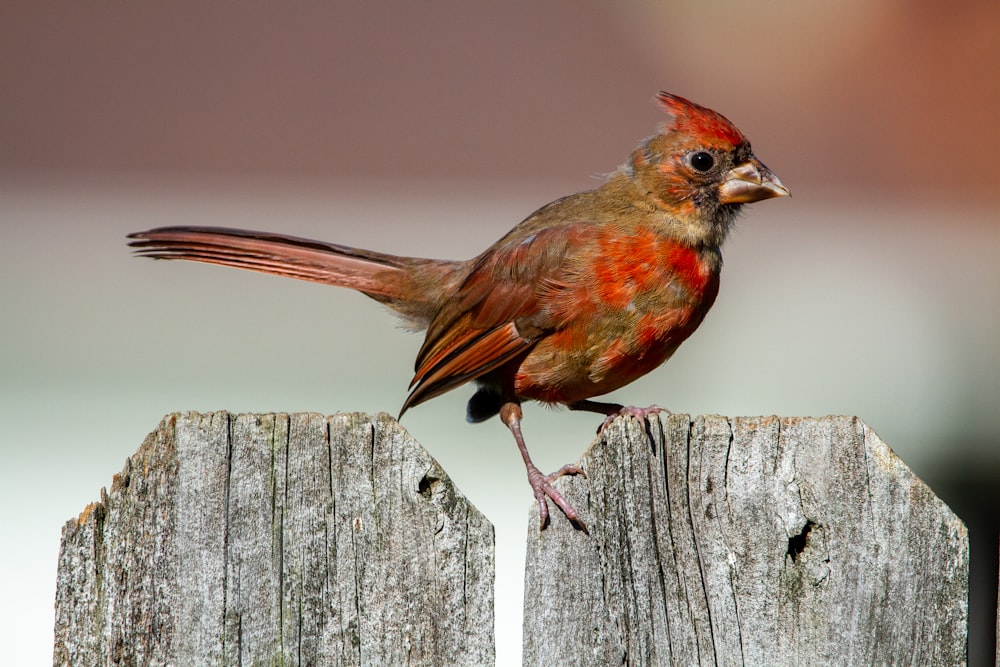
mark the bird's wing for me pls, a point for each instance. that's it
(498, 313)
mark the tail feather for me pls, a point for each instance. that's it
(409, 285)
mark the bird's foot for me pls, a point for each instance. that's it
(541, 487)
(637, 413)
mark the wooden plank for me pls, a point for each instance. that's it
(747, 541)
(277, 539)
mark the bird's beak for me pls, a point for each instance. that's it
(749, 182)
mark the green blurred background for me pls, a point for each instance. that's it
(430, 129)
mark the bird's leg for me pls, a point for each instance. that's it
(541, 485)
(612, 411)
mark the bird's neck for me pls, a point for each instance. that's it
(685, 222)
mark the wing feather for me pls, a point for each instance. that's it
(498, 313)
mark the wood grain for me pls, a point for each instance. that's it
(277, 539)
(758, 541)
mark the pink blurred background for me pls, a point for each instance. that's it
(432, 128)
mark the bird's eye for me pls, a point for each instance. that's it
(702, 160)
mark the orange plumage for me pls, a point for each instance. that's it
(584, 296)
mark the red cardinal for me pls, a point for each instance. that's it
(587, 294)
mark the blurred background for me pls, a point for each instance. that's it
(432, 128)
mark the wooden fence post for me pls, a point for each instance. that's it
(277, 539)
(302, 539)
(760, 541)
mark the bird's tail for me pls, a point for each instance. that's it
(411, 286)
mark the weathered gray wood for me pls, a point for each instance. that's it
(277, 539)
(747, 541)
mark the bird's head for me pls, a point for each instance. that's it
(700, 170)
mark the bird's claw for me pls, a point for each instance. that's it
(568, 469)
(541, 486)
(640, 414)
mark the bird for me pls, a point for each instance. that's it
(584, 296)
